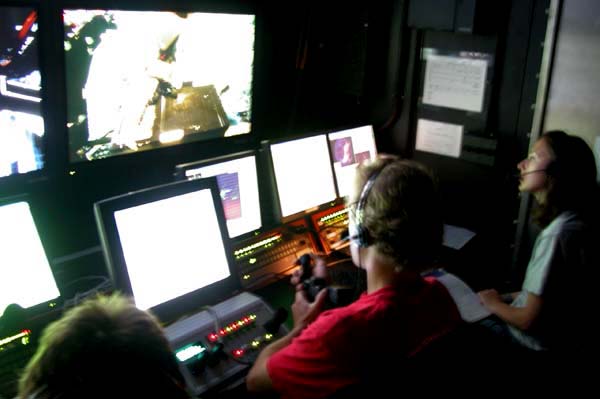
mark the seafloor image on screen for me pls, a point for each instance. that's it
(142, 80)
(230, 195)
(21, 123)
(343, 151)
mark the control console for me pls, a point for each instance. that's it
(215, 347)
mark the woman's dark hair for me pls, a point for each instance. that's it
(402, 213)
(571, 178)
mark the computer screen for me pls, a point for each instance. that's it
(349, 147)
(238, 188)
(166, 246)
(303, 173)
(142, 80)
(21, 121)
(26, 278)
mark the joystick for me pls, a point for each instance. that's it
(337, 295)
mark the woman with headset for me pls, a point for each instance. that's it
(556, 295)
(395, 232)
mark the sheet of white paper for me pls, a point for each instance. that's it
(456, 237)
(455, 82)
(467, 301)
(439, 138)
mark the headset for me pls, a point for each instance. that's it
(361, 236)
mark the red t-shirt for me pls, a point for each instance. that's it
(346, 343)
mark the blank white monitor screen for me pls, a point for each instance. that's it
(238, 188)
(171, 247)
(25, 275)
(303, 174)
(349, 148)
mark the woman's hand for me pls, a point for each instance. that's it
(490, 298)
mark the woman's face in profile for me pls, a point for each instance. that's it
(533, 168)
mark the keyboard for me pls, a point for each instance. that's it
(15, 352)
(270, 256)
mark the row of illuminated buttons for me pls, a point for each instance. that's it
(231, 328)
(253, 345)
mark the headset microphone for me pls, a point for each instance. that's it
(531, 171)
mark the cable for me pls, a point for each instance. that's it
(105, 285)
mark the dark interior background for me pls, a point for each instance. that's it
(323, 65)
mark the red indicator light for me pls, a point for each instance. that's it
(212, 337)
(238, 353)
(222, 333)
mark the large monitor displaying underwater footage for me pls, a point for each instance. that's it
(142, 80)
(349, 147)
(21, 121)
(26, 278)
(167, 246)
(238, 187)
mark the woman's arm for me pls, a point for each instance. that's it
(520, 317)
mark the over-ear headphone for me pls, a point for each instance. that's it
(361, 236)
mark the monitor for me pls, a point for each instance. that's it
(167, 246)
(349, 147)
(21, 121)
(238, 188)
(26, 278)
(142, 80)
(303, 174)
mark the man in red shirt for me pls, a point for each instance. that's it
(395, 232)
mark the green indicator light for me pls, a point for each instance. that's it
(189, 352)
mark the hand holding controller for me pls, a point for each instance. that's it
(312, 284)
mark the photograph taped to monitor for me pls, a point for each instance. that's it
(141, 80)
(21, 122)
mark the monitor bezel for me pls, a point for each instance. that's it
(14, 183)
(266, 145)
(115, 261)
(46, 306)
(181, 169)
(187, 146)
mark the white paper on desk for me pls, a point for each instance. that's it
(455, 82)
(439, 138)
(456, 237)
(467, 301)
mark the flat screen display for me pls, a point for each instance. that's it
(21, 121)
(350, 147)
(303, 174)
(238, 189)
(166, 246)
(26, 278)
(142, 80)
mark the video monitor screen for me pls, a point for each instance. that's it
(238, 188)
(21, 121)
(142, 80)
(349, 148)
(26, 278)
(166, 245)
(303, 174)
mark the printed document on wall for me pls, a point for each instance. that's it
(439, 138)
(455, 82)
